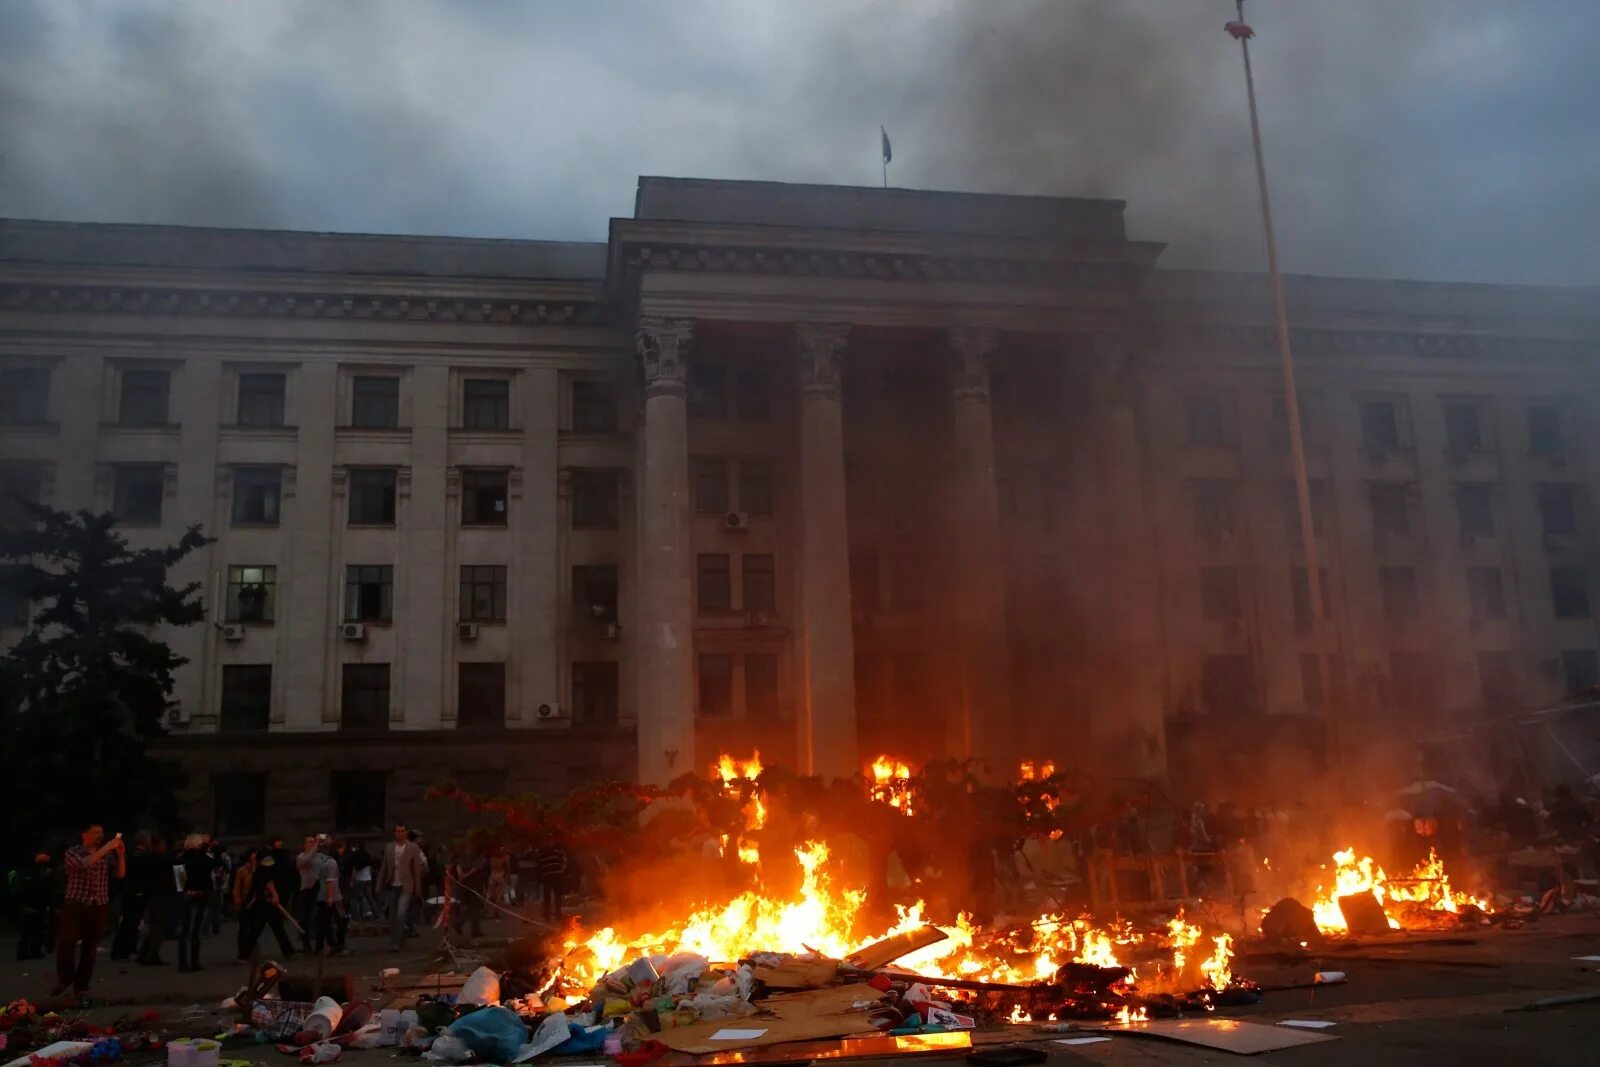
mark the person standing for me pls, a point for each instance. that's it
(553, 879)
(329, 909)
(135, 896)
(363, 905)
(400, 874)
(305, 901)
(196, 867)
(263, 908)
(32, 891)
(221, 880)
(161, 887)
(85, 907)
(470, 877)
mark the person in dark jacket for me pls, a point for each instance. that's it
(135, 900)
(32, 889)
(263, 908)
(553, 879)
(196, 866)
(161, 890)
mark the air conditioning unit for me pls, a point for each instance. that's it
(736, 520)
(353, 631)
(467, 631)
(177, 717)
(549, 711)
(612, 631)
(233, 631)
(757, 619)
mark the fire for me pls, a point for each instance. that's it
(1425, 889)
(738, 777)
(1029, 771)
(891, 784)
(1127, 1015)
(1018, 1015)
(1219, 969)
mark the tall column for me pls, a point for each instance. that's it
(666, 596)
(983, 726)
(827, 642)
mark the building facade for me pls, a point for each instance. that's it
(821, 471)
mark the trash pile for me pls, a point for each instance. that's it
(46, 1039)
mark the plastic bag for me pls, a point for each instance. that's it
(482, 987)
(321, 1052)
(447, 1048)
(493, 1034)
(552, 1031)
(369, 1036)
(680, 972)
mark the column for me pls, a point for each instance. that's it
(983, 726)
(826, 639)
(425, 609)
(665, 640)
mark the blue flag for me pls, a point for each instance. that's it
(888, 153)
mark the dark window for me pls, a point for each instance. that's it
(594, 499)
(1475, 510)
(1398, 586)
(240, 803)
(1302, 593)
(594, 692)
(1497, 680)
(864, 582)
(755, 486)
(760, 582)
(1581, 669)
(1544, 431)
(752, 393)
(1313, 420)
(708, 390)
(1406, 684)
(256, 494)
(144, 398)
(481, 695)
(483, 497)
(1390, 516)
(486, 404)
(1213, 506)
(1569, 592)
(360, 801)
(24, 395)
(1228, 685)
(1463, 429)
(15, 607)
(1203, 419)
(1219, 593)
(594, 407)
(368, 593)
(594, 592)
(1321, 509)
(761, 686)
(1558, 510)
(246, 697)
(261, 399)
(483, 594)
(713, 582)
(1486, 593)
(372, 496)
(364, 697)
(21, 484)
(374, 402)
(710, 485)
(137, 492)
(1380, 426)
(716, 684)
(252, 594)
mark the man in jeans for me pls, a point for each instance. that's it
(85, 907)
(400, 877)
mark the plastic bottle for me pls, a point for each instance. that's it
(324, 1017)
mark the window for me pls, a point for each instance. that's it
(1311, 688)
(261, 399)
(246, 697)
(1203, 419)
(864, 581)
(364, 697)
(594, 499)
(1390, 516)
(136, 493)
(1302, 594)
(256, 493)
(1475, 510)
(252, 594)
(1228, 685)
(594, 407)
(1407, 687)
(483, 497)
(1497, 680)
(759, 581)
(755, 486)
(368, 593)
(374, 402)
(372, 496)
(708, 391)
(1581, 669)
(1398, 587)
(713, 582)
(360, 801)
(594, 692)
(15, 607)
(1544, 431)
(486, 404)
(1212, 499)
(752, 393)
(21, 484)
(144, 398)
(594, 592)
(481, 695)
(24, 396)
(1321, 509)
(1486, 593)
(1558, 510)
(1313, 419)
(1463, 428)
(1219, 593)
(761, 686)
(710, 485)
(1380, 426)
(240, 803)
(483, 594)
(715, 684)
(1569, 592)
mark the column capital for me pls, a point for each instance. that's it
(973, 351)
(662, 346)
(818, 346)
(1116, 369)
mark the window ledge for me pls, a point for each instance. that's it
(384, 623)
(251, 429)
(482, 622)
(43, 426)
(254, 525)
(372, 433)
(488, 433)
(485, 525)
(371, 525)
(156, 428)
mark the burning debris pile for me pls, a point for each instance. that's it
(1422, 899)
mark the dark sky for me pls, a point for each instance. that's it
(1450, 139)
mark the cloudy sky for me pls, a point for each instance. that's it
(1451, 139)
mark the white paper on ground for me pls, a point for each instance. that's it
(60, 1049)
(1079, 1040)
(1306, 1024)
(737, 1035)
(1588, 959)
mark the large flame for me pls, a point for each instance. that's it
(1406, 900)
(891, 784)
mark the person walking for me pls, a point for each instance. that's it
(135, 898)
(400, 874)
(263, 909)
(85, 906)
(553, 879)
(161, 899)
(305, 901)
(329, 910)
(221, 881)
(363, 905)
(469, 876)
(196, 867)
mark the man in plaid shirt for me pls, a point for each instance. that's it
(86, 906)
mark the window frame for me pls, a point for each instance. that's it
(363, 408)
(486, 413)
(121, 488)
(160, 411)
(256, 477)
(592, 679)
(25, 395)
(234, 597)
(724, 675)
(361, 481)
(475, 578)
(601, 401)
(258, 706)
(706, 567)
(357, 577)
(276, 402)
(475, 481)
(368, 692)
(492, 715)
(595, 488)
(759, 571)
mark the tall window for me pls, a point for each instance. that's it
(484, 497)
(24, 395)
(594, 592)
(21, 484)
(761, 686)
(1544, 431)
(486, 404)
(714, 582)
(144, 397)
(1486, 593)
(360, 800)
(368, 593)
(1463, 428)
(372, 495)
(1313, 419)
(256, 494)
(374, 402)
(1475, 510)
(1203, 420)
(240, 803)
(1321, 509)
(137, 492)
(594, 499)
(261, 399)
(755, 486)
(715, 671)
(1497, 680)
(364, 697)
(252, 593)
(708, 391)
(1228, 685)
(710, 485)
(481, 695)
(1302, 594)
(1397, 587)
(594, 406)
(1581, 670)
(1558, 510)
(1569, 592)
(760, 582)
(594, 692)
(246, 697)
(1219, 593)
(483, 593)
(752, 392)
(1213, 506)
(1390, 516)
(1380, 426)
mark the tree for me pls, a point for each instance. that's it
(90, 681)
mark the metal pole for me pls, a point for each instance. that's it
(1291, 406)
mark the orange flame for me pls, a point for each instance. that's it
(1425, 889)
(891, 784)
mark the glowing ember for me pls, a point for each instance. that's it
(1018, 1015)
(891, 784)
(1407, 899)
(1029, 771)
(1126, 1015)
(738, 778)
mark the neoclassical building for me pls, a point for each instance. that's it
(818, 470)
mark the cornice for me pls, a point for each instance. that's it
(1395, 343)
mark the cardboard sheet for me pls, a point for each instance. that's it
(882, 953)
(1306, 1024)
(1228, 1035)
(807, 1016)
(799, 974)
(1080, 1040)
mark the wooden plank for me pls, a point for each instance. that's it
(881, 953)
